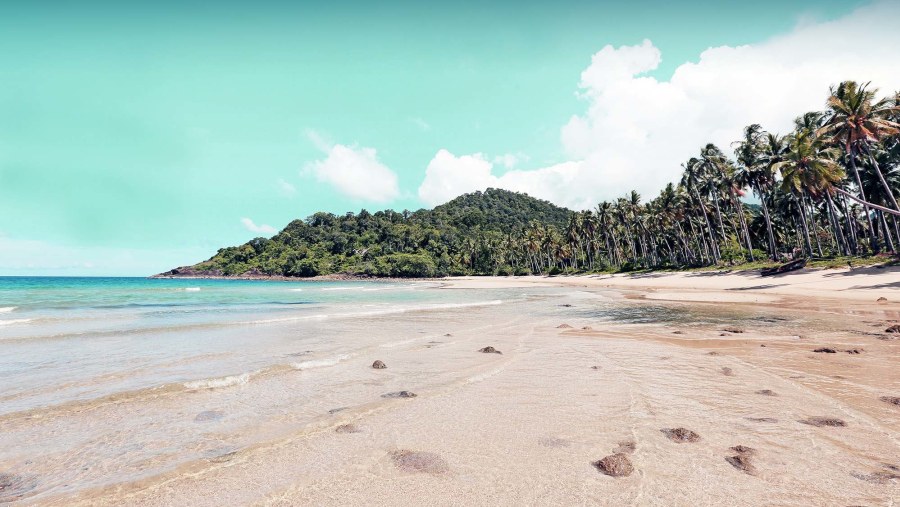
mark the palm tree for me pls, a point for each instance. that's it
(755, 171)
(809, 168)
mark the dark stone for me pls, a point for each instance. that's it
(743, 449)
(379, 365)
(680, 435)
(733, 330)
(893, 329)
(742, 463)
(615, 465)
(399, 394)
(766, 392)
(881, 300)
(823, 421)
(677, 332)
(893, 400)
(825, 350)
(728, 372)
(854, 351)
(595, 367)
(587, 328)
(489, 350)
(418, 461)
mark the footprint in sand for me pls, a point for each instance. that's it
(767, 392)
(419, 462)
(400, 394)
(347, 428)
(209, 415)
(741, 459)
(820, 422)
(15, 487)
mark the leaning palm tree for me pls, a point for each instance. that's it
(856, 121)
(755, 171)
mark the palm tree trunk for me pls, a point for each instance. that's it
(887, 188)
(773, 250)
(873, 242)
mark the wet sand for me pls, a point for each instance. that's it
(709, 387)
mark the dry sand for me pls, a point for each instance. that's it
(525, 427)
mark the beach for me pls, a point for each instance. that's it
(701, 388)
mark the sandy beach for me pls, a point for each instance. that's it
(698, 388)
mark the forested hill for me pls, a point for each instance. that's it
(464, 236)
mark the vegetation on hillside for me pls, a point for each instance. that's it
(827, 189)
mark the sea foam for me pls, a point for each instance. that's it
(14, 321)
(7, 309)
(212, 383)
(319, 363)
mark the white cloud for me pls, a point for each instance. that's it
(448, 176)
(354, 171)
(286, 188)
(259, 229)
(510, 160)
(637, 130)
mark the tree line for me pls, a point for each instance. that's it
(827, 188)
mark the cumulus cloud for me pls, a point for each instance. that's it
(259, 229)
(448, 176)
(510, 160)
(637, 130)
(354, 171)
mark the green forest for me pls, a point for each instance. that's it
(826, 189)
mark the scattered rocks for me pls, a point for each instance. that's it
(762, 344)
(15, 487)
(728, 372)
(336, 410)
(893, 400)
(563, 326)
(825, 350)
(489, 350)
(587, 328)
(854, 351)
(677, 332)
(625, 447)
(742, 463)
(766, 392)
(419, 462)
(566, 305)
(881, 300)
(823, 421)
(595, 367)
(741, 460)
(400, 394)
(680, 435)
(209, 415)
(379, 365)
(713, 353)
(615, 465)
(733, 330)
(893, 329)
(762, 419)
(724, 334)
(347, 428)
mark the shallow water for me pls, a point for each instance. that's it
(145, 386)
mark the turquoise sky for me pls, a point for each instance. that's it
(135, 138)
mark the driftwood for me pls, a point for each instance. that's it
(784, 268)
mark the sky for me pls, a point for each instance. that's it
(137, 138)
